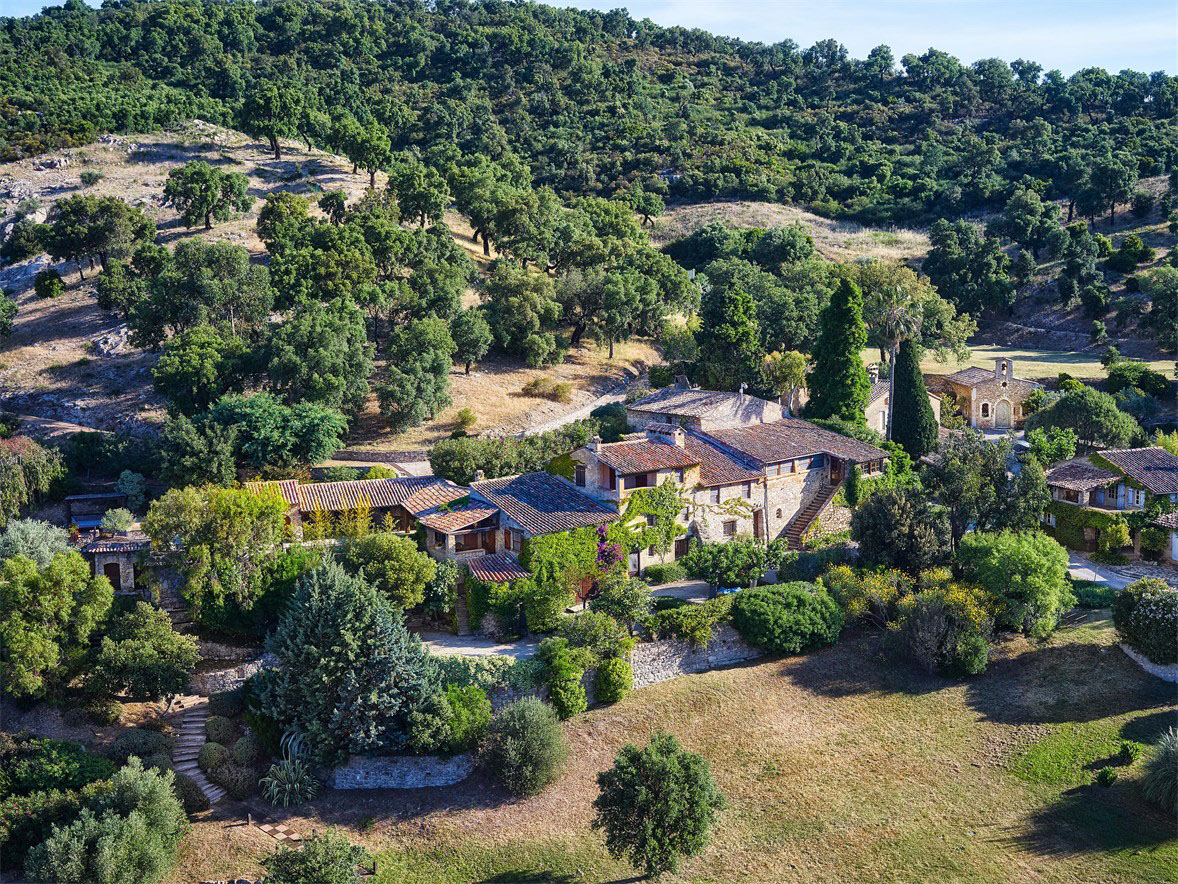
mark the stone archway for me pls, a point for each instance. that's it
(1002, 413)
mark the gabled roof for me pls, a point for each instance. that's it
(1168, 520)
(716, 467)
(972, 376)
(415, 493)
(543, 503)
(643, 455)
(695, 403)
(793, 437)
(1153, 467)
(447, 520)
(498, 568)
(878, 390)
(1080, 475)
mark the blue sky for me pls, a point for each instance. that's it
(1064, 34)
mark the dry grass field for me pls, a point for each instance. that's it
(837, 766)
(1028, 363)
(834, 240)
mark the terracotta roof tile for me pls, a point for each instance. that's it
(543, 503)
(498, 568)
(1080, 475)
(447, 520)
(1153, 467)
(287, 488)
(415, 493)
(643, 455)
(793, 437)
(716, 467)
(1168, 520)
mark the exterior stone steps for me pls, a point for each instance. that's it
(805, 518)
(189, 740)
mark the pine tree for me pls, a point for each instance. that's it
(729, 343)
(349, 672)
(914, 425)
(838, 382)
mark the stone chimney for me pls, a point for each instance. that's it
(681, 382)
(594, 443)
(479, 475)
(742, 388)
(873, 372)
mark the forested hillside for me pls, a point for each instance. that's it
(594, 103)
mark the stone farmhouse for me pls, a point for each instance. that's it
(991, 400)
(745, 469)
(1118, 480)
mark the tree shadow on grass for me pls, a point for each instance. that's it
(1149, 728)
(1064, 683)
(1096, 819)
(861, 664)
(528, 876)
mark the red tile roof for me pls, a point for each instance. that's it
(498, 568)
(1168, 520)
(793, 437)
(716, 467)
(447, 520)
(543, 503)
(1080, 475)
(644, 455)
(1153, 467)
(414, 493)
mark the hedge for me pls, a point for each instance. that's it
(1146, 616)
(656, 575)
(693, 623)
(787, 618)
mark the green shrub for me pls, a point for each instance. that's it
(48, 284)
(220, 729)
(1106, 776)
(326, 858)
(615, 679)
(470, 714)
(1093, 595)
(190, 794)
(1146, 616)
(526, 748)
(599, 634)
(268, 731)
(549, 388)
(489, 672)
(740, 562)
(657, 575)
(428, 725)
(158, 761)
(565, 666)
(788, 618)
(662, 375)
(25, 819)
(104, 711)
(1161, 773)
(212, 755)
(809, 566)
(690, 622)
(138, 741)
(90, 177)
(945, 627)
(227, 704)
(1129, 751)
(247, 749)
(42, 765)
(868, 596)
(1025, 574)
(239, 780)
(288, 782)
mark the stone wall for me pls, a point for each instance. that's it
(401, 771)
(214, 680)
(658, 661)
(1164, 671)
(210, 650)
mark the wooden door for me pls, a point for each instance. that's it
(759, 524)
(1002, 414)
(114, 574)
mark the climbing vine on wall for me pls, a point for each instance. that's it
(651, 517)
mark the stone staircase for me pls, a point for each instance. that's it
(805, 518)
(189, 739)
(462, 612)
(177, 608)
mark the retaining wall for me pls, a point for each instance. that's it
(669, 658)
(401, 771)
(1166, 672)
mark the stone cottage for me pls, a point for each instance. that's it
(876, 411)
(991, 400)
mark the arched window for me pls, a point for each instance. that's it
(779, 513)
(985, 409)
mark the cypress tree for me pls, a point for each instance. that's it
(729, 343)
(914, 425)
(838, 383)
(349, 672)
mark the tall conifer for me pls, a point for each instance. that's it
(838, 382)
(914, 425)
